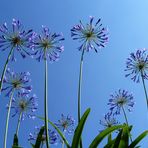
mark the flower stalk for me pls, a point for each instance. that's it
(18, 124)
(46, 105)
(7, 119)
(79, 91)
(146, 96)
(5, 67)
(126, 122)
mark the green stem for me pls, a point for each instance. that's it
(5, 67)
(146, 96)
(79, 92)
(18, 124)
(46, 105)
(126, 122)
(63, 144)
(79, 87)
(7, 120)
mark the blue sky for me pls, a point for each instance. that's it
(103, 72)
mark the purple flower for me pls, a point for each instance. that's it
(16, 81)
(25, 105)
(16, 37)
(53, 137)
(66, 124)
(91, 35)
(120, 99)
(108, 120)
(137, 65)
(47, 46)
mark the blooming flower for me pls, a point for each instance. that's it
(108, 120)
(53, 137)
(91, 35)
(120, 99)
(137, 65)
(16, 37)
(66, 124)
(16, 81)
(24, 105)
(47, 46)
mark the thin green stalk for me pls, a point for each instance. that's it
(126, 122)
(7, 120)
(46, 105)
(63, 144)
(146, 96)
(109, 137)
(79, 87)
(5, 67)
(18, 124)
(79, 92)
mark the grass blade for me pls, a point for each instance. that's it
(79, 129)
(103, 134)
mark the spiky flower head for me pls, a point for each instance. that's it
(109, 120)
(25, 105)
(47, 45)
(91, 35)
(137, 65)
(66, 124)
(15, 37)
(121, 99)
(16, 81)
(53, 137)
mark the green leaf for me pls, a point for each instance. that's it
(79, 129)
(59, 132)
(124, 138)
(15, 142)
(138, 139)
(103, 134)
(39, 137)
(110, 144)
(117, 139)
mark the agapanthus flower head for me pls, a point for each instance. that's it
(66, 124)
(16, 81)
(25, 105)
(47, 45)
(92, 35)
(137, 65)
(15, 37)
(119, 100)
(53, 136)
(109, 120)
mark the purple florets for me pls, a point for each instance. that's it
(120, 99)
(16, 38)
(91, 35)
(53, 137)
(25, 105)
(46, 46)
(137, 65)
(16, 81)
(108, 121)
(66, 124)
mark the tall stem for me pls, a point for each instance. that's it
(5, 67)
(146, 96)
(18, 124)
(79, 92)
(126, 122)
(7, 120)
(63, 144)
(79, 87)
(46, 105)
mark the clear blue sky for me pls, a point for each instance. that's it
(103, 72)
